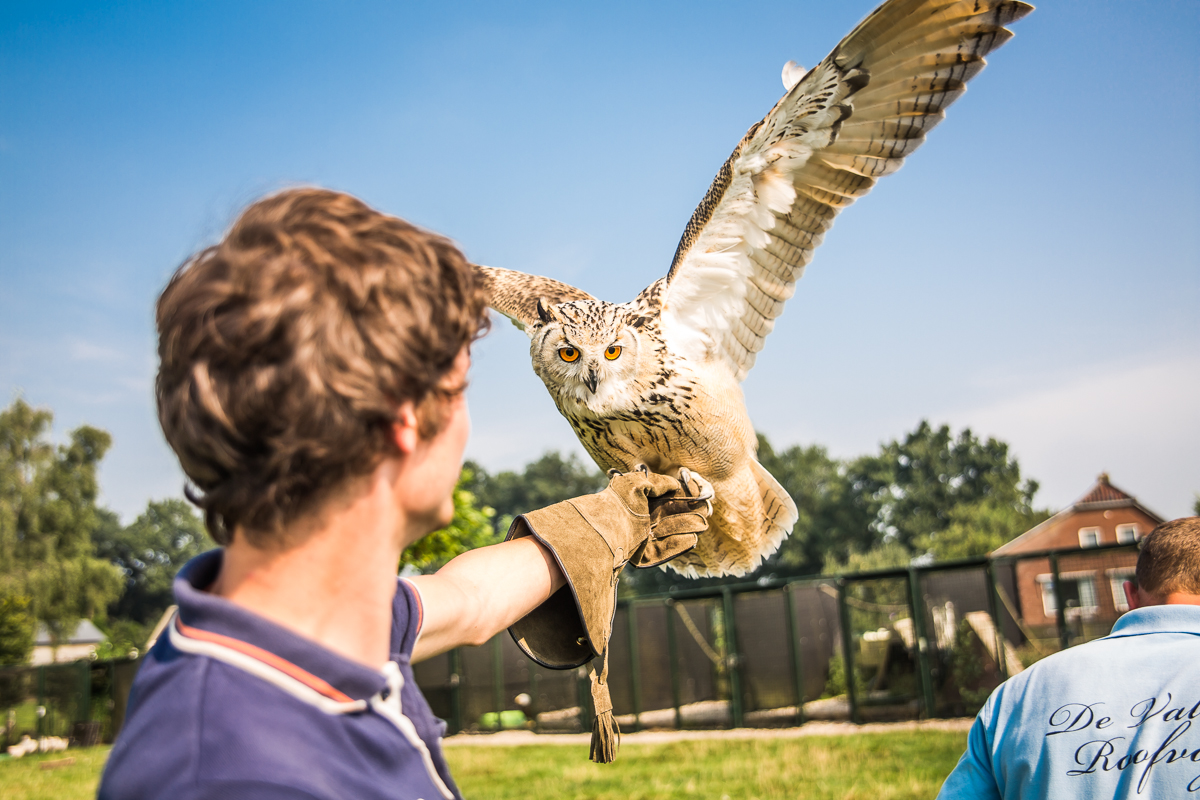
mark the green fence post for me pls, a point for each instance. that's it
(673, 657)
(994, 610)
(916, 607)
(534, 677)
(635, 666)
(847, 651)
(41, 701)
(1060, 614)
(83, 713)
(794, 647)
(498, 677)
(733, 660)
(584, 692)
(456, 706)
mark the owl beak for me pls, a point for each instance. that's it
(591, 381)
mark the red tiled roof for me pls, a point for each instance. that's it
(1103, 492)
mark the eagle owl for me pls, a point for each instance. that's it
(656, 381)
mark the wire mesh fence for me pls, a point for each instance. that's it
(82, 701)
(907, 643)
(915, 642)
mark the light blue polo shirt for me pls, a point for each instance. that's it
(1117, 717)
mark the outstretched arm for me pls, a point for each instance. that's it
(482, 592)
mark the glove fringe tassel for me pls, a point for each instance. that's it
(606, 733)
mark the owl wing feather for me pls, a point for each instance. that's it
(516, 294)
(850, 120)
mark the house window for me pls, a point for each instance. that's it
(1116, 582)
(1127, 533)
(1078, 591)
(1089, 537)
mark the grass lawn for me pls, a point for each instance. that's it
(875, 766)
(24, 779)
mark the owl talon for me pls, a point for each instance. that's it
(685, 478)
(642, 468)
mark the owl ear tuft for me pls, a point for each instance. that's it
(543, 311)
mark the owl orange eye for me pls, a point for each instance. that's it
(568, 354)
(613, 352)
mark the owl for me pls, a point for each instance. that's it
(655, 382)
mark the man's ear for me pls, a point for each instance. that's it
(1131, 596)
(404, 428)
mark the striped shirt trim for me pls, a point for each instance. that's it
(299, 683)
(420, 610)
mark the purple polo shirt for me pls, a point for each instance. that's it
(230, 705)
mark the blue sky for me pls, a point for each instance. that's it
(1033, 272)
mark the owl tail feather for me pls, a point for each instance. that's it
(606, 734)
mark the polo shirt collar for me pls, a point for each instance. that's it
(1159, 619)
(210, 614)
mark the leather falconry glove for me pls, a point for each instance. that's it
(641, 518)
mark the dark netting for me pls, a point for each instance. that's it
(516, 682)
(765, 660)
(620, 664)
(700, 650)
(439, 682)
(818, 639)
(123, 673)
(887, 682)
(964, 651)
(1008, 614)
(18, 701)
(685, 663)
(555, 694)
(64, 690)
(477, 691)
(654, 659)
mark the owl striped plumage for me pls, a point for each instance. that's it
(656, 381)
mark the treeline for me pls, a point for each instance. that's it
(932, 493)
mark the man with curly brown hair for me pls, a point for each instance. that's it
(312, 373)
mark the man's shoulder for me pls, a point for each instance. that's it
(195, 723)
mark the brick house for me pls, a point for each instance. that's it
(1091, 582)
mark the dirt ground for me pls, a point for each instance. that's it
(510, 738)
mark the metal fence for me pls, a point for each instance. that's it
(908, 643)
(83, 701)
(917, 642)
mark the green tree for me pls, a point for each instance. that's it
(1196, 505)
(976, 529)
(16, 629)
(919, 482)
(149, 552)
(48, 513)
(470, 528)
(548, 480)
(885, 555)
(834, 520)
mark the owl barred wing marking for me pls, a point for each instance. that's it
(516, 294)
(849, 121)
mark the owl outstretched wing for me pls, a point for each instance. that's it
(516, 294)
(850, 120)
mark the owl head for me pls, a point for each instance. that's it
(585, 353)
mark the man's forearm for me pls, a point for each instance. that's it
(482, 592)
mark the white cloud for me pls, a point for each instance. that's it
(1137, 421)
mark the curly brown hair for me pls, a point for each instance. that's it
(286, 349)
(1169, 560)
